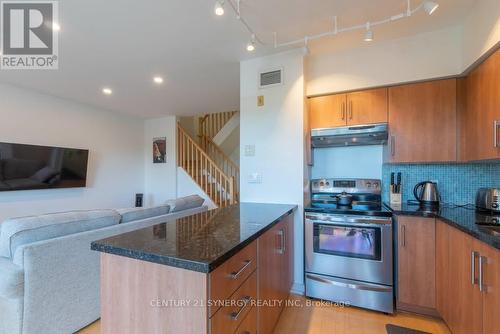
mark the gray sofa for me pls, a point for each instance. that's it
(49, 277)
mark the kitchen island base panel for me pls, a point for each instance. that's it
(133, 291)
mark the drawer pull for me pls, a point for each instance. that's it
(482, 261)
(236, 274)
(473, 256)
(235, 315)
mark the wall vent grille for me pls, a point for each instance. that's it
(271, 78)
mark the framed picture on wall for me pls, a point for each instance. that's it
(160, 150)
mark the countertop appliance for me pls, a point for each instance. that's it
(426, 193)
(488, 199)
(370, 134)
(348, 248)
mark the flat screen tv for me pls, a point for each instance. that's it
(27, 167)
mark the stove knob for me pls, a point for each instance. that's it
(375, 184)
(327, 183)
(321, 184)
(368, 184)
(494, 205)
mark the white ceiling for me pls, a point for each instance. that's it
(124, 43)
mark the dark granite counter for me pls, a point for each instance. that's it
(462, 218)
(199, 242)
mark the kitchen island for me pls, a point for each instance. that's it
(226, 270)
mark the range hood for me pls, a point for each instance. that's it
(370, 134)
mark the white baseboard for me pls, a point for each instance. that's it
(298, 289)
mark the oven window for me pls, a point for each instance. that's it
(349, 241)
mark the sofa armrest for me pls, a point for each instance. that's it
(11, 279)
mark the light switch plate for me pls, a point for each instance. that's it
(249, 150)
(255, 178)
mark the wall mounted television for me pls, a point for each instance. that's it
(27, 167)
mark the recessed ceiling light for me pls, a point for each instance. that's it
(158, 80)
(219, 8)
(368, 34)
(107, 91)
(56, 26)
(430, 7)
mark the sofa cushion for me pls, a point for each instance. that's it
(131, 214)
(184, 203)
(20, 169)
(19, 231)
(44, 174)
(11, 279)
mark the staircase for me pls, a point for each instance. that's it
(206, 163)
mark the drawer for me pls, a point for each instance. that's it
(231, 315)
(249, 324)
(225, 279)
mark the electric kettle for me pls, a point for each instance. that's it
(427, 193)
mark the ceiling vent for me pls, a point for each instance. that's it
(271, 78)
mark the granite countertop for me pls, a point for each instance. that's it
(200, 242)
(462, 218)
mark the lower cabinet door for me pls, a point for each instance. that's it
(249, 324)
(230, 316)
(489, 281)
(270, 278)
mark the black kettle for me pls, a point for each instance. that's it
(426, 193)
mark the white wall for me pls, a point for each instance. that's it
(116, 167)
(481, 30)
(160, 179)
(423, 56)
(276, 131)
(348, 162)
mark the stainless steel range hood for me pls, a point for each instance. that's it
(371, 134)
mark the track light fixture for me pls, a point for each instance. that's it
(368, 34)
(219, 7)
(430, 7)
(251, 44)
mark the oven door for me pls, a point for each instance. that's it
(351, 247)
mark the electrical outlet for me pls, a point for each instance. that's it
(249, 150)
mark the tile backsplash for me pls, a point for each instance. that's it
(457, 183)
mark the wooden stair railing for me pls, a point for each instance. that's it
(222, 160)
(211, 124)
(204, 171)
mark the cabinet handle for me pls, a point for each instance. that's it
(350, 109)
(482, 260)
(473, 256)
(343, 110)
(393, 145)
(403, 232)
(281, 233)
(235, 315)
(496, 124)
(235, 275)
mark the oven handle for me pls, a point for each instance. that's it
(348, 224)
(349, 285)
(348, 221)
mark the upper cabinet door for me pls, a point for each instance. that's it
(367, 107)
(328, 111)
(422, 122)
(482, 114)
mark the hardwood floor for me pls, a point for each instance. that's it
(319, 319)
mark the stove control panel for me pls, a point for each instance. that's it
(350, 186)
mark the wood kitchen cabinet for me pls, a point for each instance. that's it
(367, 107)
(422, 122)
(356, 108)
(275, 272)
(327, 111)
(465, 308)
(481, 122)
(416, 289)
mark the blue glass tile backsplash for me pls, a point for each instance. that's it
(457, 183)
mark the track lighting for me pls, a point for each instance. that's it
(430, 7)
(368, 34)
(219, 7)
(251, 44)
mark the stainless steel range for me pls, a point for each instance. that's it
(348, 244)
